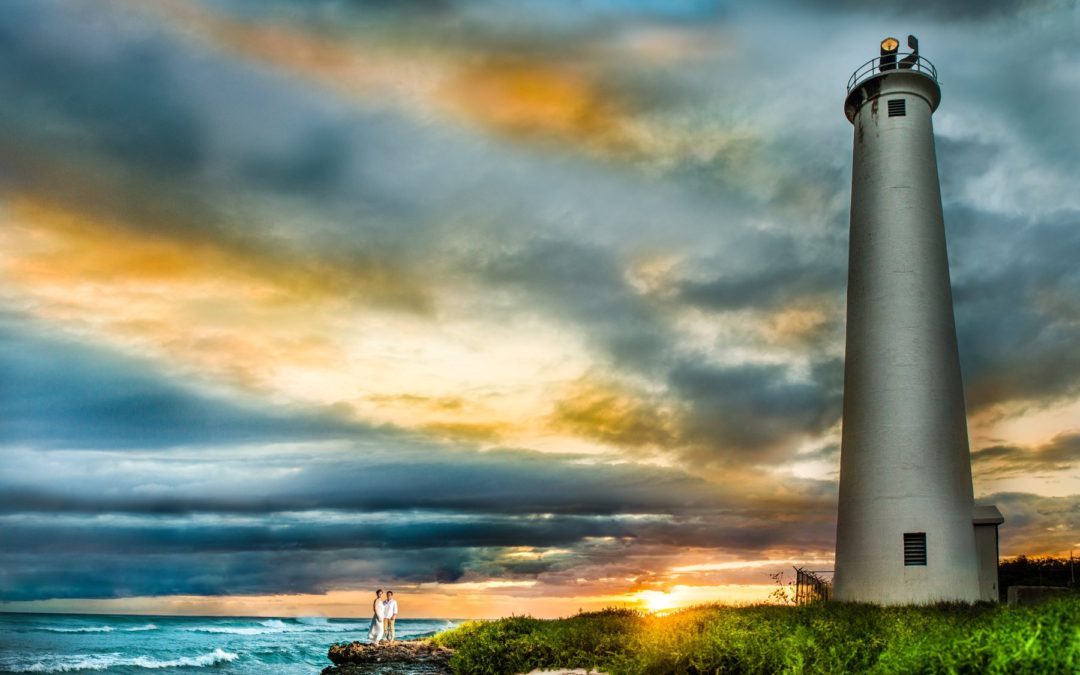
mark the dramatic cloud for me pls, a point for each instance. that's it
(542, 299)
(363, 513)
(962, 10)
(1062, 453)
(1050, 523)
(56, 393)
(1017, 313)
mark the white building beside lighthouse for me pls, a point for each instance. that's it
(907, 531)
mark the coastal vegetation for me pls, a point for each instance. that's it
(1037, 571)
(816, 638)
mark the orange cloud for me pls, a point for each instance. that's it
(520, 96)
(315, 334)
(50, 243)
(516, 94)
(533, 98)
(805, 323)
(614, 415)
(212, 309)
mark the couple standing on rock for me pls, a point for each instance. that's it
(385, 613)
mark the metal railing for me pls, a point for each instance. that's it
(812, 585)
(891, 62)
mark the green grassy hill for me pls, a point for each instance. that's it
(820, 638)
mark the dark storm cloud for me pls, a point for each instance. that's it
(771, 287)
(129, 92)
(122, 95)
(372, 478)
(746, 412)
(376, 188)
(961, 10)
(57, 393)
(314, 552)
(739, 414)
(307, 520)
(172, 142)
(1035, 524)
(127, 123)
(1061, 453)
(504, 15)
(389, 533)
(33, 577)
(327, 530)
(587, 284)
(1015, 284)
(960, 160)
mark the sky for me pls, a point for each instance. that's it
(512, 307)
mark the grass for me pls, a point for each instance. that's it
(819, 638)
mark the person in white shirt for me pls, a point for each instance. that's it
(375, 633)
(390, 615)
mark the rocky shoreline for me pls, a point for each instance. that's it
(405, 657)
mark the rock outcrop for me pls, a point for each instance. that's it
(406, 657)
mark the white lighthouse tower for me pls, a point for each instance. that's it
(906, 530)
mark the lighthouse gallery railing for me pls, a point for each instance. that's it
(889, 63)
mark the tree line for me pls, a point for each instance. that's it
(1037, 571)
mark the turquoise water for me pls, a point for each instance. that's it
(63, 643)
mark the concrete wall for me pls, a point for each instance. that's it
(986, 548)
(1027, 596)
(905, 463)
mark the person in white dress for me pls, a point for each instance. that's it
(389, 615)
(375, 633)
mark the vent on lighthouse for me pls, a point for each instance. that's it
(914, 548)
(897, 107)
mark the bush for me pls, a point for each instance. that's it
(520, 644)
(819, 638)
(1036, 571)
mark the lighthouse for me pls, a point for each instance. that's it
(907, 527)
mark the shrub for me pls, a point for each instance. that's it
(818, 638)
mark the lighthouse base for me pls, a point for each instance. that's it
(902, 568)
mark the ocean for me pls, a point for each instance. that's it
(65, 643)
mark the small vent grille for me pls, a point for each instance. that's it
(915, 548)
(897, 107)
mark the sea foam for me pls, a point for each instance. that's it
(270, 626)
(66, 664)
(232, 630)
(273, 623)
(96, 629)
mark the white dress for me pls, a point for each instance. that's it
(375, 633)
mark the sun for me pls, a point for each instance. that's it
(655, 602)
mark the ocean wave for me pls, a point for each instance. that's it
(272, 626)
(336, 627)
(233, 630)
(95, 629)
(273, 623)
(67, 664)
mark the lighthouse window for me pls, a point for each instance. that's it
(914, 548)
(897, 107)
